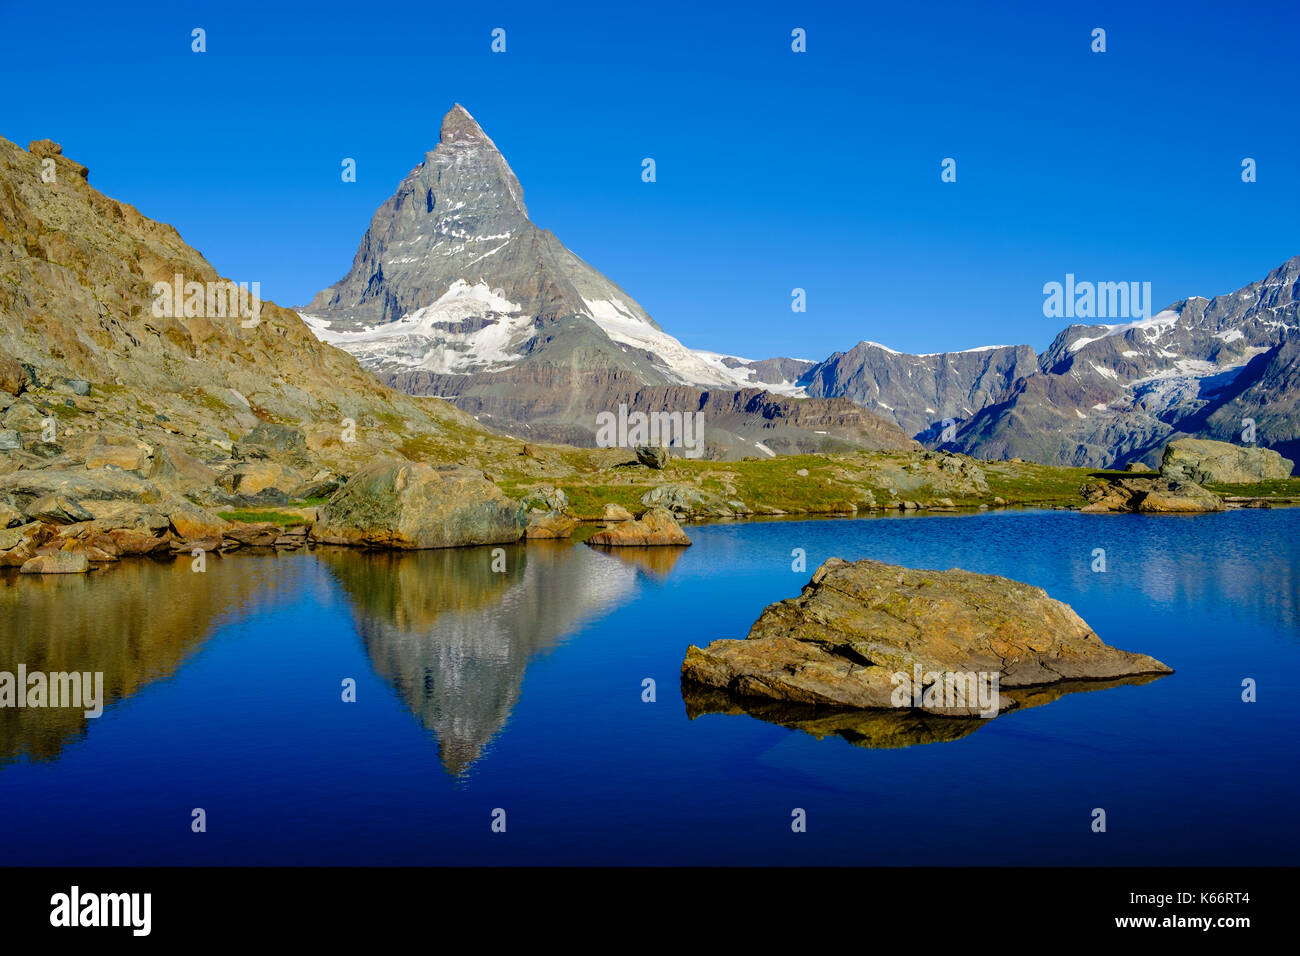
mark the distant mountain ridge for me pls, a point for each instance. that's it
(1114, 394)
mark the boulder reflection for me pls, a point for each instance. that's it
(882, 729)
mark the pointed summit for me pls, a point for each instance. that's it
(455, 292)
(461, 129)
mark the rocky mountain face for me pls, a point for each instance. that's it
(1114, 394)
(918, 392)
(118, 417)
(454, 292)
(1099, 395)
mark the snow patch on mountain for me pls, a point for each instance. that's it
(468, 328)
(742, 376)
(622, 325)
(1155, 326)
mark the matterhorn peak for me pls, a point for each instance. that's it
(461, 129)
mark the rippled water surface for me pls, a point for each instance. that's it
(522, 691)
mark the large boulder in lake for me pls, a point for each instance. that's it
(412, 505)
(856, 627)
(1220, 462)
(657, 527)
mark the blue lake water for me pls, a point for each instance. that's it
(522, 691)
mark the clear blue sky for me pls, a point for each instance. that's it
(775, 169)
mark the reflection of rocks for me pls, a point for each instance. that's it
(454, 638)
(657, 562)
(856, 625)
(135, 621)
(878, 729)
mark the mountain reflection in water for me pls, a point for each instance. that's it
(454, 637)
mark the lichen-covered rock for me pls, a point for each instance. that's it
(13, 377)
(254, 477)
(192, 523)
(56, 509)
(687, 501)
(654, 528)
(546, 498)
(129, 456)
(856, 626)
(411, 505)
(652, 456)
(549, 524)
(1219, 462)
(9, 516)
(60, 562)
(1150, 494)
(613, 512)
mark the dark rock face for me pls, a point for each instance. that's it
(862, 631)
(655, 456)
(918, 392)
(1267, 393)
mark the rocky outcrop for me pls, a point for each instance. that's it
(409, 505)
(13, 377)
(918, 392)
(549, 524)
(1150, 494)
(1203, 461)
(613, 512)
(652, 456)
(546, 498)
(690, 502)
(862, 634)
(657, 527)
(61, 562)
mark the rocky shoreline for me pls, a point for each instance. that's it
(116, 500)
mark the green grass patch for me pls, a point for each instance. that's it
(1024, 483)
(588, 501)
(1273, 488)
(254, 517)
